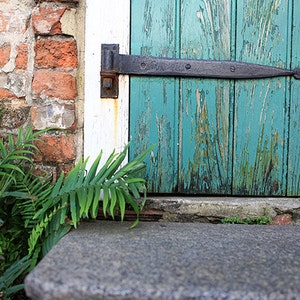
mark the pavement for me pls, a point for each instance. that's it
(168, 260)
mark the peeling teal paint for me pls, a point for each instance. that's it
(218, 136)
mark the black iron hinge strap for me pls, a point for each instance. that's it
(113, 64)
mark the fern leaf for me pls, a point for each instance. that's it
(110, 173)
(81, 174)
(133, 189)
(11, 142)
(113, 201)
(135, 223)
(12, 167)
(81, 195)
(93, 169)
(63, 214)
(71, 180)
(122, 203)
(73, 207)
(88, 199)
(57, 186)
(64, 200)
(105, 200)
(35, 235)
(95, 204)
(18, 268)
(37, 232)
(108, 170)
(3, 151)
(132, 203)
(53, 238)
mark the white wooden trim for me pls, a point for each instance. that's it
(105, 120)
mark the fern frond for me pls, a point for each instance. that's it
(18, 268)
(37, 232)
(95, 203)
(75, 216)
(53, 238)
(121, 202)
(77, 195)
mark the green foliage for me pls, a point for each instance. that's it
(12, 274)
(261, 220)
(13, 155)
(35, 213)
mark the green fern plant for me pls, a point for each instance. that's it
(15, 155)
(35, 213)
(76, 196)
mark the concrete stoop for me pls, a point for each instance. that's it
(167, 260)
(213, 209)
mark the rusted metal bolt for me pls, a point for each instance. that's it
(107, 83)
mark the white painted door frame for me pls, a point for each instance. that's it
(105, 120)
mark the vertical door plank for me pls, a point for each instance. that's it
(294, 138)
(205, 140)
(260, 105)
(154, 101)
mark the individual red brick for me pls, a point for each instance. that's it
(6, 94)
(283, 219)
(4, 54)
(54, 84)
(46, 20)
(56, 149)
(22, 57)
(55, 54)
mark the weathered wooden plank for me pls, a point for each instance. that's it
(154, 101)
(261, 106)
(294, 137)
(205, 139)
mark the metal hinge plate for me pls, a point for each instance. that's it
(113, 64)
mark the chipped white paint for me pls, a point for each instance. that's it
(105, 120)
(69, 23)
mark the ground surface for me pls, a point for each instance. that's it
(106, 260)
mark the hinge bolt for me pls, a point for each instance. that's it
(188, 66)
(107, 83)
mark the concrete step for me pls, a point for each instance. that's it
(166, 260)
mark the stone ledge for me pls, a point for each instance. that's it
(106, 260)
(211, 209)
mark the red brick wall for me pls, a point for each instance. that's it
(38, 76)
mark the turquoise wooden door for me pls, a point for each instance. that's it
(219, 137)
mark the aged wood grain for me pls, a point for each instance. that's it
(154, 101)
(261, 107)
(218, 136)
(205, 119)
